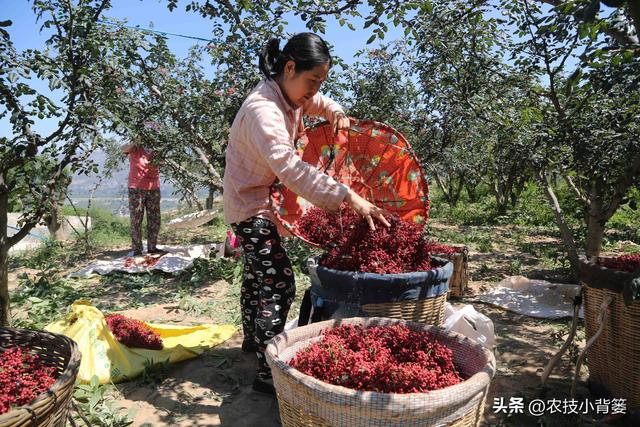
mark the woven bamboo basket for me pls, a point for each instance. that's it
(614, 358)
(429, 311)
(416, 297)
(306, 401)
(460, 277)
(50, 408)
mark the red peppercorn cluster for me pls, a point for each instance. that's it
(22, 378)
(400, 248)
(442, 249)
(133, 333)
(326, 229)
(628, 263)
(147, 261)
(388, 359)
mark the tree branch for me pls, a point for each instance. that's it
(576, 190)
(633, 8)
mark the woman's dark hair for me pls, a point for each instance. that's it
(307, 50)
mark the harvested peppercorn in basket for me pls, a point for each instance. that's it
(22, 378)
(628, 263)
(352, 246)
(386, 359)
(133, 333)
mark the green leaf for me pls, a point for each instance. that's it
(95, 381)
(371, 39)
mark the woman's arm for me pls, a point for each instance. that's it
(267, 125)
(269, 135)
(324, 106)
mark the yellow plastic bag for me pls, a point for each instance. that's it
(110, 361)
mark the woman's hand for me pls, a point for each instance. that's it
(366, 209)
(340, 122)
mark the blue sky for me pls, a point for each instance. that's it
(146, 13)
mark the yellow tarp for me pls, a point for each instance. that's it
(105, 357)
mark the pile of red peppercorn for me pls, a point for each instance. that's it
(628, 263)
(133, 333)
(22, 378)
(353, 246)
(388, 359)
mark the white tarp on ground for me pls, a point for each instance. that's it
(178, 258)
(195, 219)
(535, 298)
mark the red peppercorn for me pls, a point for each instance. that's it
(133, 333)
(389, 359)
(628, 263)
(22, 378)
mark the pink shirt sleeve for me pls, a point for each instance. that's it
(323, 106)
(266, 123)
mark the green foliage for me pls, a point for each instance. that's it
(43, 298)
(155, 372)
(221, 309)
(44, 257)
(207, 270)
(299, 252)
(626, 220)
(96, 403)
(107, 229)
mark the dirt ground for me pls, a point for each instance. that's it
(215, 388)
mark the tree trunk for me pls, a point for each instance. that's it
(210, 197)
(565, 232)
(444, 187)
(472, 192)
(54, 223)
(501, 198)
(595, 235)
(595, 220)
(455, 189)
(5, 317)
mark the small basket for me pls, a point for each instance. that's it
(460, 278)
(306, 401)
(614, 357)
(50, 408)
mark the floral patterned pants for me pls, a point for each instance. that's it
(268, 286)
(139, 201)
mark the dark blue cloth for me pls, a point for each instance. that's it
(340, 294)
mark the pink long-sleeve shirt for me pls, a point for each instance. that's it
(261, 149)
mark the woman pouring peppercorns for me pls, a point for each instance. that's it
(261, 150)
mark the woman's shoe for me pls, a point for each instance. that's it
(249, 345)
(157, 251)
(264, 386)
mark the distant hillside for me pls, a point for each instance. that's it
(112, 191)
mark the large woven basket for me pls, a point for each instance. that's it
(306, 401)
(614, 358)
(416, 297)
(460, 277)
(50, 408)
(429, 311)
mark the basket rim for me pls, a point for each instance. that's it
(68, 374)
(443, 266)
(479, 380)
(587, 265)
